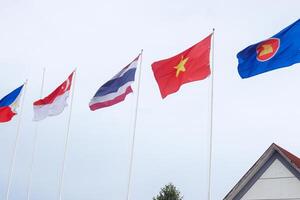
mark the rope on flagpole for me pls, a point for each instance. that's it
(211, 116)
(34, 144)
(12, 164)
(67, 141)
(134, 129)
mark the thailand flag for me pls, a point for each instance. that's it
(54, 103)
(9, 104)
(116, 89)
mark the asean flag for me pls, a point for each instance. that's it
(55, 102)
(280, 50)
(190, 65)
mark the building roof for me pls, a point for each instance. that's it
(293, 159)
(274, 151)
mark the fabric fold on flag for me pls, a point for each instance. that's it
(190, 65)
(9, 104)
(55, 102)
(116, 89)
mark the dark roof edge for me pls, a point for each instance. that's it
(291, 158)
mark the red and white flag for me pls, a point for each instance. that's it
(54, 103)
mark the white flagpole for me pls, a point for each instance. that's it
(34, 143)
(12, 164)
(134, 128)
(211, 116)
(67, 141)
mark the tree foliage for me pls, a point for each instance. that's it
(169, 192)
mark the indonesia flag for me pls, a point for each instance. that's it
(54, 103)
(9, 105)
(116, 89)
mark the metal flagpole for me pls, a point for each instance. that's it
(67, 141)
(12, 164)
(134, 128)
(34, 143)
(211, 115)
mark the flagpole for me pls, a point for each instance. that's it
(12, 164)
(211, 116)
(134, 128)
(67, 141)
(34, 143)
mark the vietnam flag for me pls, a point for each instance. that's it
(190, 65)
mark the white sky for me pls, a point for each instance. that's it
(101, 37)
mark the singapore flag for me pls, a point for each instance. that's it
(54, 103)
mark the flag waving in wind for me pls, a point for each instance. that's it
(9, 104)
(55, 102)
(281, 50)
(116, 89)
(188, 66)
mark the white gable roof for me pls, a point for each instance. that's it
(277, 182)
(276, 175)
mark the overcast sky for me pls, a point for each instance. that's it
(101, 37)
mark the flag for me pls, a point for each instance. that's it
(116, 89)
(191, 65)
(9, 104)
(281, 50)
(55, 102)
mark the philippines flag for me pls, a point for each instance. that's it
(116, 89)
(9, 104)
(55, 102)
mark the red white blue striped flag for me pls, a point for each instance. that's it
(116, 89)
(9, 104)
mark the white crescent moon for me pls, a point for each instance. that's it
(67, 85)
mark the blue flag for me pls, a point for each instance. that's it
(281, 50)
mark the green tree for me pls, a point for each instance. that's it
(169, 192)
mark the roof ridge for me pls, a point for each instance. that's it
(293, 158)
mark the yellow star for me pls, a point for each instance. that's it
(180, 67)
(267, 48)
(15, 105)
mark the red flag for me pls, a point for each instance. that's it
(190, 65)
